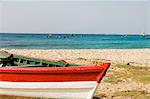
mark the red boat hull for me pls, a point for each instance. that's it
(54, 74)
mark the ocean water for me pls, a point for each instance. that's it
(73, 41)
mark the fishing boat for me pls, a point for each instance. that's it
(66, 82)
(11, 59)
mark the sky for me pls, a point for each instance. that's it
(82, 16)
(148, 26)
(0, 17)
(74, 0)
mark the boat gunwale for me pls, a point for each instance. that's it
(28, 56)
(73, 69)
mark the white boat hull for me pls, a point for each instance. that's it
(61, 90)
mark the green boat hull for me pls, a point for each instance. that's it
(8, 59)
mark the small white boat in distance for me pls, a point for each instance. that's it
(76, 82)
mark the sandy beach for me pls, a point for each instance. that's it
(136, 57)
(129, 72)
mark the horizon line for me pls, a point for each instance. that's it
(125, 33)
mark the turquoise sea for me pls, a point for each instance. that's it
(73, 41)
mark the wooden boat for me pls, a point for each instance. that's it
(74, 82)
(11, 59)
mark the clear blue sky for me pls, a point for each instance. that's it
(82, 16)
